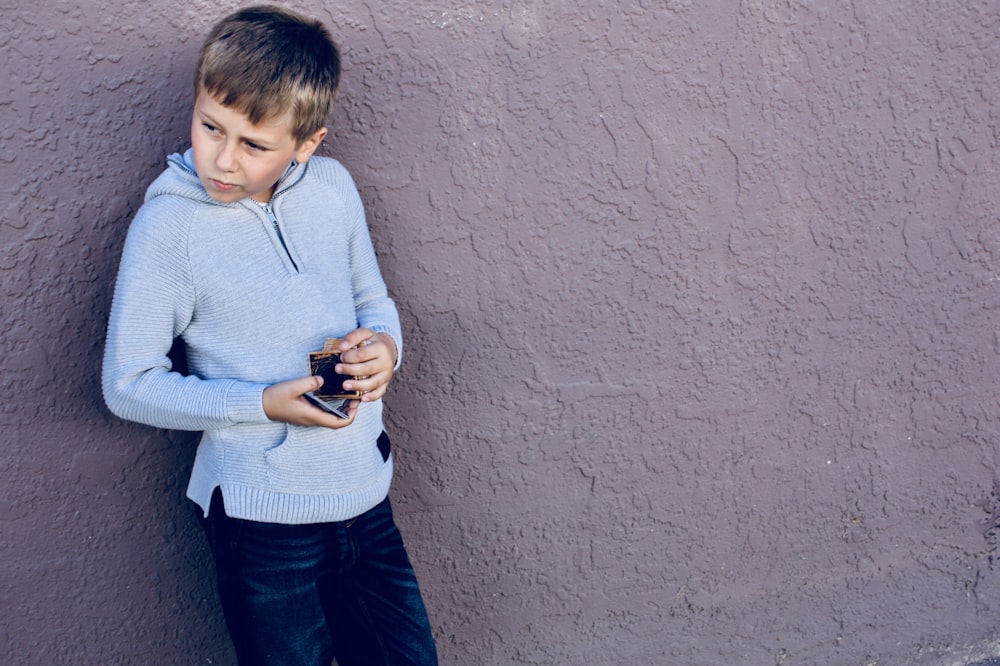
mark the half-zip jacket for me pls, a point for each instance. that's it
(251, 291)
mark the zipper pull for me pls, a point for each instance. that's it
(271, 216)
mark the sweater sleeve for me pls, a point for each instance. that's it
(374, 308)
(153, 303)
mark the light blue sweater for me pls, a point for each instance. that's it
(250, 301)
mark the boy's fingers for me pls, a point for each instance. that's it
(355, 338)
(306, 384)
(317, 381)
(377, 354)
(372, 388)
(294, 388)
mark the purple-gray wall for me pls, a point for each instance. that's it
(701, 302)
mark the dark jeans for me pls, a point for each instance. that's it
(300, 595)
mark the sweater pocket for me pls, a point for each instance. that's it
(315, 461)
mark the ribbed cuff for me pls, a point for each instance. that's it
(245, 403)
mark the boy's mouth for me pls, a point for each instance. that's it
(221, 186)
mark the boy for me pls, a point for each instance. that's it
(254, 252)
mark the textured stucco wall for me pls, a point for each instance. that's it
(701, 301)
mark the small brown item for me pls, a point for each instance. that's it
(322, 363)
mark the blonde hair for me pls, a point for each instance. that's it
(265, 61)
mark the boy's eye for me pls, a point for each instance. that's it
(253, 146)
(211, 128)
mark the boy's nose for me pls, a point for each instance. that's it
(225, 159)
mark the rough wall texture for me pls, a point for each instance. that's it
(701, 303)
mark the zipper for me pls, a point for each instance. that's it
(269, 211)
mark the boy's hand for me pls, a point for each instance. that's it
(284, 402)
(369, 355)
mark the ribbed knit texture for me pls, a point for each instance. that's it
(249, 308)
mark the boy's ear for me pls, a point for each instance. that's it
(309, 146)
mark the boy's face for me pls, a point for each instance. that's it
(235, 158)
